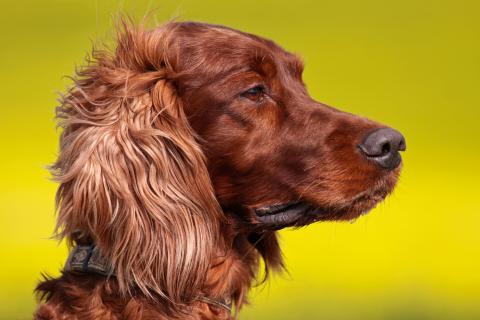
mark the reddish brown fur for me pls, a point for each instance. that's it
(163, 158)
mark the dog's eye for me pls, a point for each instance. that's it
(254, 93)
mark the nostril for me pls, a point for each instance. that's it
(385, 148)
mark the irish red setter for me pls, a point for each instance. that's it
(183, 151)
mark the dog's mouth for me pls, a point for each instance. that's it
(291, 214)
(282, 214)
(301, 213)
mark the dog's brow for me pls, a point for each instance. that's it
(295, 64)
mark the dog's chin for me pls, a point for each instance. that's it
(301, 213)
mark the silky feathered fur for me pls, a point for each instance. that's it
(164, 152)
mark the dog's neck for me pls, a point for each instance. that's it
(88, 259)
(227, 282)
(230, 276)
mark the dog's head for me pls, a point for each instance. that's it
(189, 126)
(277, 157)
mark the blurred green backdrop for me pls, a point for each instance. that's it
(412, 64)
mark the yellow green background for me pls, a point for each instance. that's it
(412, 64)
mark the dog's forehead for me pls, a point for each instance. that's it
(224, 46)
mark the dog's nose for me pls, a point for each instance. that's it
(382, 146)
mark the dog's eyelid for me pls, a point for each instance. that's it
(259, 88)
(256, 93)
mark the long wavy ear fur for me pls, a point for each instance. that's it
(131, 174)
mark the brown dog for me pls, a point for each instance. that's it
(183, 151)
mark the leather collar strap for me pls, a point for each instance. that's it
(88, 259)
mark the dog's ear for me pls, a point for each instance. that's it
(131, 173)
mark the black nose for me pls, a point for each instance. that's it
(383, 146)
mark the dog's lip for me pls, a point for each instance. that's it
(275, 208)
(283, 214)
(291, 213)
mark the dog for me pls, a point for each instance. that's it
(184, 150)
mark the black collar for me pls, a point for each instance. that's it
(88, 259)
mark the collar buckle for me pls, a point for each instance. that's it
(88, 259)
